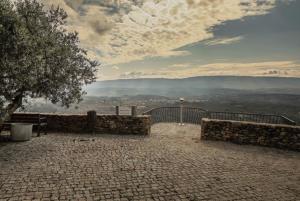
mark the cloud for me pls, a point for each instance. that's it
(271, 68)
(140, 74)
(223, 41)
(121, 31)
(256, 65)
(276, 72)
(115, 67)
(181, 65)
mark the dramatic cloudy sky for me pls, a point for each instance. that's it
(184, 38)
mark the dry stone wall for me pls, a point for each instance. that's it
(271, 135)
(104, 124)
(135, 125)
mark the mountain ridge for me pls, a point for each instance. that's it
(194, 85)
(196, 77)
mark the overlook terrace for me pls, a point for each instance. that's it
(170, 164)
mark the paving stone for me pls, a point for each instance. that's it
(170, 164)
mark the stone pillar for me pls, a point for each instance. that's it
(134, 111)
(91, 120)
(117, 110)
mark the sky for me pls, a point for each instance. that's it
(187, 38)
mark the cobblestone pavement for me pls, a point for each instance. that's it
(171, 164)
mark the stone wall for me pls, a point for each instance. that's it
(271, 135)
(136, 125)
(105, 124)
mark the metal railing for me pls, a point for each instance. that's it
(172, 114)
(251, 117)
(194, 116)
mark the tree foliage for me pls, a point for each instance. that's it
(39, 57)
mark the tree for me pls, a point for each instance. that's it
(39, 57)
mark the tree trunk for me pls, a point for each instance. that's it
(10, 109)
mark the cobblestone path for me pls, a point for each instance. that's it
(171, 164)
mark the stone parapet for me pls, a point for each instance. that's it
(102, 124)
(271, 135)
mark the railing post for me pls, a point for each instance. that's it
(133, 111)
(117, 110)
(208, 114)
(181, 111)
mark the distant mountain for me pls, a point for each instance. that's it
(195, 86)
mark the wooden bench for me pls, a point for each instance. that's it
(39, 122)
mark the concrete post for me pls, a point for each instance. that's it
(91, 121)
(117, 110)
(134, 111)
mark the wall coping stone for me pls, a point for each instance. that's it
(250, 122)
(65, 114)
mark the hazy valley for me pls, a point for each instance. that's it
(231, 94)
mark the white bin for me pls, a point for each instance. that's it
(21, 131)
